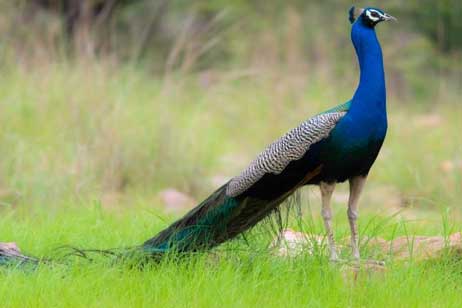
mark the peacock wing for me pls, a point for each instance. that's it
(292, 146)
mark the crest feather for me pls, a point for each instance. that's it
(354, 13)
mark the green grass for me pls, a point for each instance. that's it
(272, 283)
(229, 277)
(86, 148)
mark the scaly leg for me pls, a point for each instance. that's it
(326, 193)
(356, 187)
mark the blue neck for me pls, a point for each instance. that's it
(370, 95)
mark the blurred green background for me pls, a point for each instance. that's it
(115, 114)
(118, 100)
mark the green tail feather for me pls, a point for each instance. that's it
(10, 259)
(216, 220)
(198, 229)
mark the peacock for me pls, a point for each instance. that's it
(337, 145)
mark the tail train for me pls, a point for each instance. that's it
(216, 220)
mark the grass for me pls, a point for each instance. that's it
(227, 278)
(86, 148)
(271, 283)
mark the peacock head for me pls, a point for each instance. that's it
(370, 16)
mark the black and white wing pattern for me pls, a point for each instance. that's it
(292, 146)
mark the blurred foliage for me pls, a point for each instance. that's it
(103, 97)
(279, 38)
(441, 21)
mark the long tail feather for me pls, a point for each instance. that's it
(12, 257)
(217, 219)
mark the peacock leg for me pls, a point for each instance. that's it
(356, 187)
(326, 193)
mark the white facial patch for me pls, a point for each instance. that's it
(369, 15)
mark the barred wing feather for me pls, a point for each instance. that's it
(292, 146)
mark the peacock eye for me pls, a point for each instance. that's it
(375, 14)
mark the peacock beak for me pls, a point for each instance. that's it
(387, 17)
